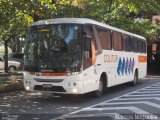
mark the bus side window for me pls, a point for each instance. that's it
(140, 44)
(134, 41)
(105, 37)
(117, 41)
(144, 46)
(127, 43)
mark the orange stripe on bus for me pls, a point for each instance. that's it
(142, 58)
(32, 73)
(53, 74)
(93, 53)
(48, 74)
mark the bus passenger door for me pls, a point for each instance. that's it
(89, 60)
(89, 53)
(87, 56)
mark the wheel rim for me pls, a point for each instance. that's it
(100, 86)
(99, 92)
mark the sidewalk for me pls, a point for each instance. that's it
(11, 81)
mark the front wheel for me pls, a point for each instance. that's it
(100, 90)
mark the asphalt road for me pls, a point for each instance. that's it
(120, 102)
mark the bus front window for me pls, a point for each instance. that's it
(54, 48)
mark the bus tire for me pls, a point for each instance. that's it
(135, 79)
(100, 90)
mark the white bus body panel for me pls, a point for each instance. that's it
(67, 83)
(87, 81)
(119, 66)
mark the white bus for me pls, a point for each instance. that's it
(79, 55)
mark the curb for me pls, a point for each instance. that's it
(8, 74)
(11, 82)
(11, 87)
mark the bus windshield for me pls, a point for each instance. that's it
(54, 48)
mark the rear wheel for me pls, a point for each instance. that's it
(100, 90)
(135, 79)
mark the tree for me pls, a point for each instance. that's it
(130, 15)
(16, 15)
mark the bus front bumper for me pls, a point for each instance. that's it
(67, 86)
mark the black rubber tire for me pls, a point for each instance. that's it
(135, 79)
(100, 90)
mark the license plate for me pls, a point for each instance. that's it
(47, 86)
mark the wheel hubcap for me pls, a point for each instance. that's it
(12, 69)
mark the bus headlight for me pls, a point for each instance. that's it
(27, 88)
(74, 90)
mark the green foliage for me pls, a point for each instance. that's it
(16, 15)
(130, 15)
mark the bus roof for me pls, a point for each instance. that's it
(81, 21)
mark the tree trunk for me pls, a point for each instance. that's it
(6, 56)
(18, 46)
(110, 6)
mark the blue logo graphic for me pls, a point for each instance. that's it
(125, 66)
(119, 66)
